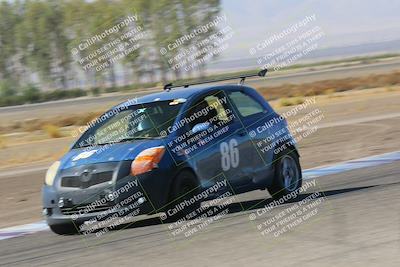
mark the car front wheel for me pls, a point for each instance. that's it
(65, 229)
(185, 187)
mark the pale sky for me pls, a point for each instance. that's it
(345, 22)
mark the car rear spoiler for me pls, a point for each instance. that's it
(242, 78)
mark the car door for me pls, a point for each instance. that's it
(226, 150)
(253, 114)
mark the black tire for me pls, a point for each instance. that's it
(65, 229)
(287, 179)
(185, 187)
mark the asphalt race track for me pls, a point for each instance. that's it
(356, 223)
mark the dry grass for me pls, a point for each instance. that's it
(292, 94)
(52, 131)
(330, 91)
(35, 124)
(329, 87)
(30, 125)
(3, 142)
(391, 88)
(286, 102)
(298, 100)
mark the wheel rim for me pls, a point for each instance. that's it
(290, 173)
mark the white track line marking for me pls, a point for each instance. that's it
(21, 230)
(351, 165)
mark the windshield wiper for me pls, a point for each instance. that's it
(122, 141)
(136, 138)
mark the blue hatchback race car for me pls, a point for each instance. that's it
(167, 152)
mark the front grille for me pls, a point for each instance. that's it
(84, 209)
(78, 182)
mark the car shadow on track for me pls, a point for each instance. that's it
(237, 207)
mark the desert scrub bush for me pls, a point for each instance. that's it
(31, 94)
(112, 89)
(298, 101)
(83, 120)
(52, 131)
(95, 91)
(285, 102)
(330, 91)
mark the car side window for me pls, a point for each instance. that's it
(215, 101)
(214, 109)
(245, 104)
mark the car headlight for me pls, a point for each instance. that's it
(51, 173)
(147, 160)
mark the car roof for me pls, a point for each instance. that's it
(186, 93)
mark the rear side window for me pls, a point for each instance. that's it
(246, 105)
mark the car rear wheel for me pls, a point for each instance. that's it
(288, 177)
(65, 229)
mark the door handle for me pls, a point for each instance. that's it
(241, 132)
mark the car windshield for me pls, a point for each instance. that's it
(144, 121)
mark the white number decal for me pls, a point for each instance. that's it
(229, 154)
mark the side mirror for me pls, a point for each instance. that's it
(200, 127)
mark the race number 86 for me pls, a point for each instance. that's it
(229, 154)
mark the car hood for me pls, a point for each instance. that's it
(107, 153)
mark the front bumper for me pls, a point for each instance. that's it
(144, 194)
(80, 213)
